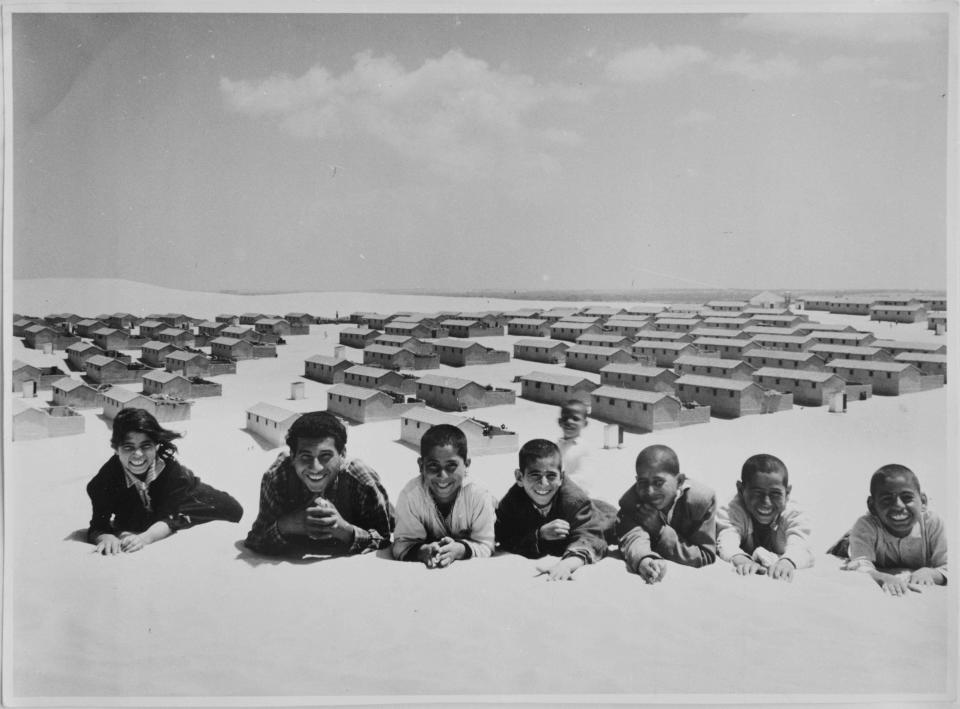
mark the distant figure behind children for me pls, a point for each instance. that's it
(578, 458)
(901, 544)
(665, 516)
(761, 531)
(316, 500)
(547, 513)
(443, 516)
(143, 494)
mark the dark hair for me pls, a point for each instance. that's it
(134, 420)
(574, 404)
(890, 471)
(318, 425)
(539, 449)
(660, 457)
(763, 463)
(444, 434)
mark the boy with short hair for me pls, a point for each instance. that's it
(442, 516)
(547, 513)
(761, 531)
(901, 544)
(315, 500)
(665, 517)
(576, 456)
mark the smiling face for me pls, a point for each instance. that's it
(137, 453)
(765, 496)
(442, 469)
(657, 487)
(898, 503)
(572, 420)
(317, 462)
(541, 480)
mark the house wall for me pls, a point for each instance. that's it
(551, 393)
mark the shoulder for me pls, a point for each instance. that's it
(362, 478)
(413, 487)
(866, 524)
(513, 496)
(932, 521)
(628, 498)
(110, 474)
(572, 495)
(698, 495)
(276, 469)
(734, 509)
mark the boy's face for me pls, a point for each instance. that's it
(137, 453)
(764, 495)
(443, 469)
(897, 503)
(656, 487)
(317, 462)
(572, 421)
(541, 480)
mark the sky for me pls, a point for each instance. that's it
(455, 152)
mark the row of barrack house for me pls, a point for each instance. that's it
(172, 365)
(658, 366)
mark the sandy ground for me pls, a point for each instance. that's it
(197, 615)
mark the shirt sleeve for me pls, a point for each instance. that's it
(372, 530)
(586, 539)
(635, 542)
(863, 545)
(698, 546)
(410, 530)
(937, 545)
(102, 500)
(732, 528)
(265, 536)
(513, 533)
(797, 549)
(481, 539)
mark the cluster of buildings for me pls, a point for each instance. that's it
(177, 354)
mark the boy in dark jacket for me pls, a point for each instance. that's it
(546, 514)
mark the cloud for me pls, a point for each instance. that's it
(749, 67)
(651, 63)
(881, 28)
(696, 117)
(454, 114)
(846, 63)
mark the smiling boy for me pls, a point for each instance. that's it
(665, 517)
(313, 501)
(761, 530)
(576, 455)
(546, 513)
(442, 516)
(901, 544)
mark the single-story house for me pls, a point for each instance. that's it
(76, 393)
(767, 300)
(551, 388)
(189, 364)
(790, 343)
(785, 360)
(886, 378)
(661, 352)
(730, 398)
(44, 377)
(937, 319)
(809, 388)
(569, 331)
(483, 438)
(646, 309)
(850, 339)
(528, 327)
(300, 319)
(178, 321)
(644, 410)
(280, 327)
(231, 348)
(406, 342)
(228, 319)
(242, 332)
(605, 339)
(115, 399)
(363, 404)
(398, 358)
(676, 324)
(154, 352)
(715, 322)
(177, 336)
(638, 376)
(389, 380)
(724, 347)
(593, 359)
(419, 329)
(358, 337)
(850, 306)
(150, 328)
(790, 320)
(626, 325)
(542, 350)
(211, 328)
(326, 369)
(40, 337)
(926, 363)
(251, 318)
(459, 327)
(651, 335)
(728, 306)
(895, 347)
(865, 354)
(461, 353)
(101, 369)
(898, 313)
(714, 367)
(753, 330)
(166, 384)
(270, 422)
(453, 394)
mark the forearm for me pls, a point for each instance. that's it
(155, 532)
(728, 544)
(636, 546)
(699, 551)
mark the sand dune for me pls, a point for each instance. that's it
(199, 616)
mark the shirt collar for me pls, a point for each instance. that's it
(684, 486)
(152, 474)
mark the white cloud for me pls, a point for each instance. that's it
(454, 114)
(744, 64)
(651, 63)
(846, 63)
(880, 28)
(696, 117)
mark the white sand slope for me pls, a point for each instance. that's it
(197, 615)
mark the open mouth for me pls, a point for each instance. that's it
(899, 517)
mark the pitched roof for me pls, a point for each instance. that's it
(554, 378)
(804, 374)
(271, 412)
(641, 395)
(714, 382)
